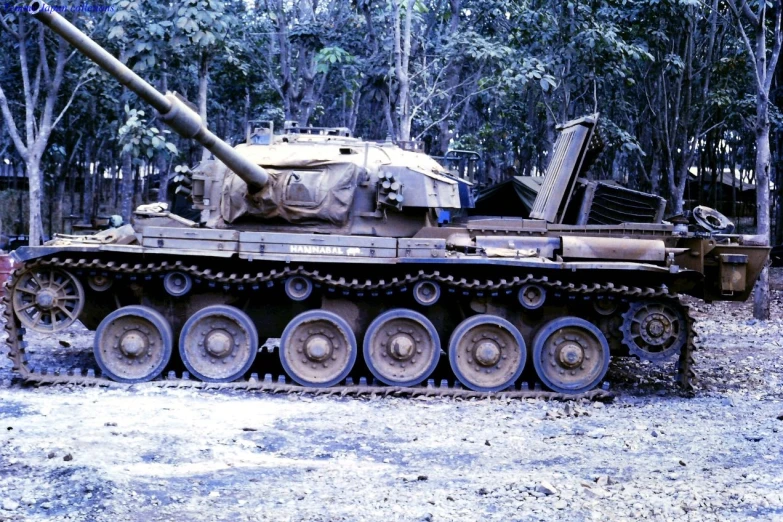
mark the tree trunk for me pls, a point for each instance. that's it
(34, 185)
(126, 189)
(655, 174)
(203, 85)
(20, 175)
(388, 114)
(163, 176)
(88, 184)
(402, 53)
(761, 293)
(57, 215)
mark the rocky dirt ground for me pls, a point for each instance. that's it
(143, 453)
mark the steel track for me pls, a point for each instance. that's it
(685, 375)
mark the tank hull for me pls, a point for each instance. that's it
(359, 279)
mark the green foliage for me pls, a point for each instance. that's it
(141, 140)
(494, 76)
(331, 56)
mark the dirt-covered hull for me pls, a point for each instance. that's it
(621, 306)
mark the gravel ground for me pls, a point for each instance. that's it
(144, 454)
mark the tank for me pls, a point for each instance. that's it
(313, 260)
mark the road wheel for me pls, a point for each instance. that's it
(133, 344)
(401, 347)
(218, 343)
(487, 353)
(318, 348)
(570, 355)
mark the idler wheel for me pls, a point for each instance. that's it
(318, 348)
(177, 284)
(570, 355)
(47, 300)
(298, 288)
(532, 297)
(401, 347)
(487, 353)
(133, 344)
(426, 293)
(218, 343)
(654, 330)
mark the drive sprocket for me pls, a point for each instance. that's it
(654, 330)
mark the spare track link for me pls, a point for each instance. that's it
(16, 343)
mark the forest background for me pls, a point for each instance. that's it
(686, 89)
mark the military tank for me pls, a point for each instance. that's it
(341, 249)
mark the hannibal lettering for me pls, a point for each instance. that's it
(323, 250)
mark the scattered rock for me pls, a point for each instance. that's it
(111, 424)
(560, 504)
(214, 494)
(52, 455)
(780, 417)
(10, 505)
(483, 492)
(249, 429)
(486, 443)
(754, 437)
(546, 488)
(46, 505)
(654, 433)
(682, 463)
(413, 478)
(65, 343)
(68, 457)
(604, 480)
(596, 492)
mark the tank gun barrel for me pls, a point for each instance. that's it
(176, 114)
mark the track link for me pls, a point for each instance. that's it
(685, 375)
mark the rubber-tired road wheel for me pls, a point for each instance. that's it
(318, 348)
(570, 355)
(133, 344)
(487, 353)
(401, 347)
(218, 343)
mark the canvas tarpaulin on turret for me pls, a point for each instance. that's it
(304, 191)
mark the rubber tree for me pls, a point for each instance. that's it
(42, 78)
(760, 31)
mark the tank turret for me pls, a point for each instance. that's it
(173, 110)
(309, 179)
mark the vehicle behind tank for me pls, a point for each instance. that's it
(334, 246)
